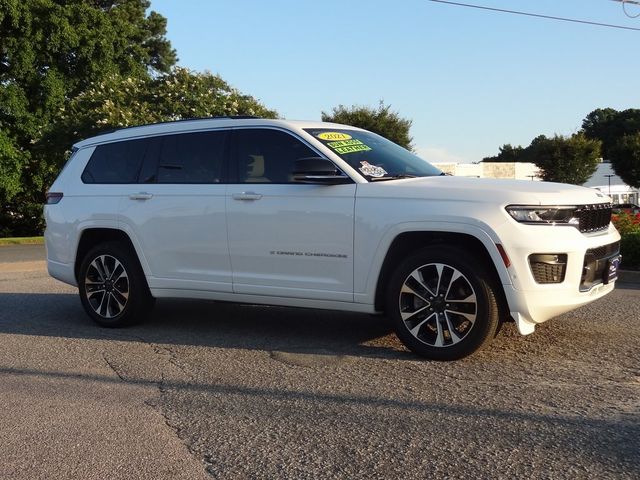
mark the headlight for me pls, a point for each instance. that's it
(565, 215)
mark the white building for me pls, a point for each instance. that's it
(606, 180)
(516, 170)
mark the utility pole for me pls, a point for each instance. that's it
(609, 178)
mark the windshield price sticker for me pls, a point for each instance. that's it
(372, 170)
(348, 146)
(334, 136)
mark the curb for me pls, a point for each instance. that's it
(629, 276)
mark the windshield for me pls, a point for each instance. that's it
(373, 156)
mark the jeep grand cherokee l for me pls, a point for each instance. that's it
(319, 215)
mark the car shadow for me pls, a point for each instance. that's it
(212, 324)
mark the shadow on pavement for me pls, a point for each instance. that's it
(207, 323)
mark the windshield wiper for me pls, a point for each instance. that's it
(392, 177)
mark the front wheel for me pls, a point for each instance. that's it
(112, 286)
(443, 303)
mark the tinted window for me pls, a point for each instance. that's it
(267, 156)
(191, 158)
(115, 162)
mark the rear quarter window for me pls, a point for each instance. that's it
(117, 162)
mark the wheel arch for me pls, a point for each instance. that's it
(409, 242)
(90, 237)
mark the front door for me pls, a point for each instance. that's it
(285, 238)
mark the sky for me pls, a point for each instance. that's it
(470, 80)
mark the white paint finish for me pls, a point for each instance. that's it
(539, 306)
(263, 300)
(83, 206)
(368, 268)
(62, 271)
(520, 241)
(294, 240)
(182, 231)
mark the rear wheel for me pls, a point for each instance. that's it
(113, 289)
(443, 303)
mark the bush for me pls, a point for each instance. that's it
(628, 225)
(626, 222)
(630, 249)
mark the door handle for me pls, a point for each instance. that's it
(247, 196)
(141, 196)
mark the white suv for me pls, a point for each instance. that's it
(319, 215)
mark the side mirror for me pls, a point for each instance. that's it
(318, 170)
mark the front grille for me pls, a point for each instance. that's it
(548, 268)
(594, 217)
(595, 264)
(605, 250)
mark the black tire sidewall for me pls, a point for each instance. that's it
(138, 290)
(487, 320)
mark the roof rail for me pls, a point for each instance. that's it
(220, 117)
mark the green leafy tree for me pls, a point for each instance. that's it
(117, 102)
(50, 52)
(508, 154)
(565, 159)
(609, 125)
(625, 159)
(69, 69)
(381, 120)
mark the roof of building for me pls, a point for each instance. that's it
(600, 178)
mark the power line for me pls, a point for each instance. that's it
(632, 2)
(537, 15)
(624, 8)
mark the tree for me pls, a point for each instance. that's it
(50, 52)
(508, 154)
(609, 125)
(116, 102)
(571, 159)
(379, 120)
(625, 159)
(69, 69)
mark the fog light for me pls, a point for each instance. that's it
(548, 267)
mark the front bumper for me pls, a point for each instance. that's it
(537, 307)
(531, 303)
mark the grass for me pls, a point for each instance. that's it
(22, 241)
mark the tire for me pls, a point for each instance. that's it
(112, 286)
(442, 302)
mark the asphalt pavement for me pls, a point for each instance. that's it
(22, 253)
(214, 390)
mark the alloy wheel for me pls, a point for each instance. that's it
(438, 305)
(106, 286)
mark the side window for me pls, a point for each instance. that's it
(117, 162)
(190, 158)
(267, 156)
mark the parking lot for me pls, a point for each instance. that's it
(212, 390)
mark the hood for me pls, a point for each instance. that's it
(485, 190)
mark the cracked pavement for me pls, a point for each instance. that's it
(212, 390)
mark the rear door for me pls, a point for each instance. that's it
(177, 212)
(286, 238)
